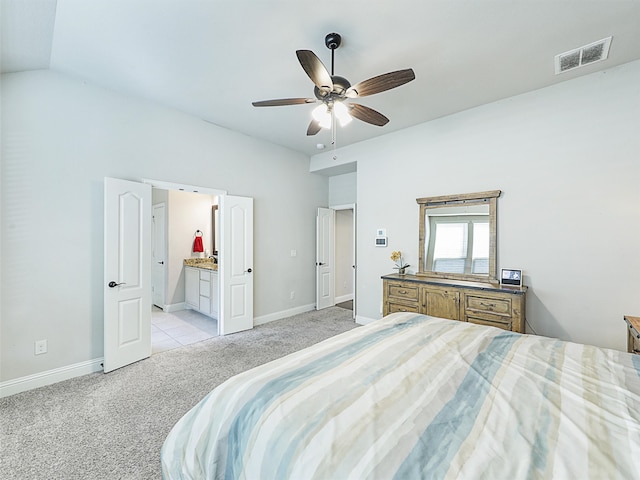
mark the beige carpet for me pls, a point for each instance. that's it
(112, 426)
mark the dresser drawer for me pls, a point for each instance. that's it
(405, 292)
(500, 322)
(401, 307)
(496, 306)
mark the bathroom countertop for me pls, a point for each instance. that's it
(206, 263)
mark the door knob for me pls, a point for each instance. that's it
(320, 264)
(248, 270)
(113, 284)
(161, 263)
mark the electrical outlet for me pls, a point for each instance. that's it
(292, 295)
(294, 253)
(40, 347)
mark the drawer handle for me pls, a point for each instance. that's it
(488, 304)
(402, 291)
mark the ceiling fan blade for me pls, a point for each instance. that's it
(283, 101)
(367, 114)
(383, 82)
(314, 127)
(316, 70)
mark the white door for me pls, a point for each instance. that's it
(235, 258)
(325, 222)
(127, 272)
(158, 255)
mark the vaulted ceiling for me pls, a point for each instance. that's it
(212, 58)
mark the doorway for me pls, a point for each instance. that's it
(177, 216)
(336, 257)
(127, 273)
(345, 256)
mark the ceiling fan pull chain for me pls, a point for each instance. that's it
(333, 133)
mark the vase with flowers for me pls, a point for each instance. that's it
(396, 256)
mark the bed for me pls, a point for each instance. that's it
(412, 396)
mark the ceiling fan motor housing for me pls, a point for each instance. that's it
(332, 40)
(340, 86)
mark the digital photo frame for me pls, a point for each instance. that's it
(511, 277)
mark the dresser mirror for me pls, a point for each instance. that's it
(458, 236)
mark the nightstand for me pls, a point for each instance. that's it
(633, 342)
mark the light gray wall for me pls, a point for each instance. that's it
(342, 189)
(567, 160)
(60, 138)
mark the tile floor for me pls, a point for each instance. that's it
(175, 329)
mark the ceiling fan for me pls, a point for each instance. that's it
(333, 90)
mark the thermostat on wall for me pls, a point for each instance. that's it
(511, 277)
(381, 241)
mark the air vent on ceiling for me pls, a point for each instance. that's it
(586, 55)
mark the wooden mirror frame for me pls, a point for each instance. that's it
(490, 198)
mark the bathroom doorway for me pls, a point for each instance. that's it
(177, 216)
(127, 272)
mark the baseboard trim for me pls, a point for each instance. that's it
(174, 307)
(42, 379)
(361, 320)
(344, 298)
(282, 314)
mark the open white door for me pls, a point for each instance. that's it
(158, 255)
(235, 258)
(127, 272)
(325, 222)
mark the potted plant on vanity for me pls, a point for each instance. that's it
(396, 256)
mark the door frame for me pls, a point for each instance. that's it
(164, 185)
(154, 239)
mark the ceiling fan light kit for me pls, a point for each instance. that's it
(334, 91)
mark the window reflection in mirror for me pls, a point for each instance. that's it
(458, 236)
(457, 239)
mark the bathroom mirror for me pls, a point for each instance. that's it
(457, 237)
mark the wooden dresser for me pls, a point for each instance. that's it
(633, 332)
(481, 303)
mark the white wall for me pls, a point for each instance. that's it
(567, 159)
(60, 138)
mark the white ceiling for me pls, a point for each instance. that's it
(212, 58)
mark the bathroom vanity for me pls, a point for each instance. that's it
(201, 286)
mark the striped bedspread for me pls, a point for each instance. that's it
(413, 397)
